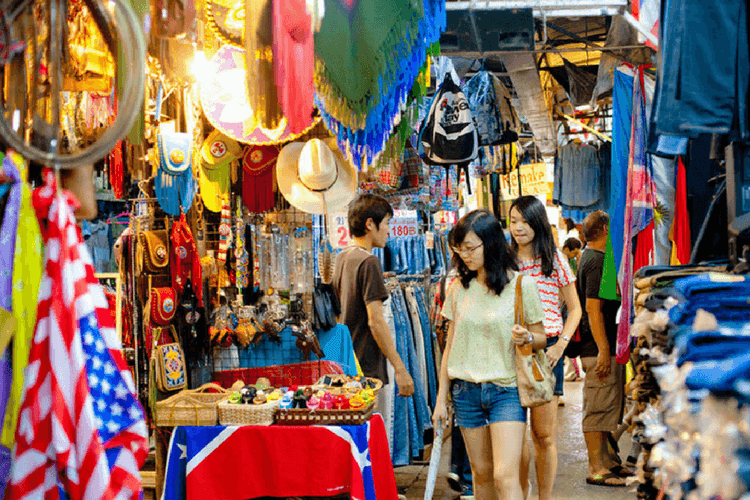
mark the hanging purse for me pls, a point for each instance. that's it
(163, 303)
(534, 376)
(174, 184)
(169, 365)
(154, 251)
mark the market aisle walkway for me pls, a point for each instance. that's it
(571, 475)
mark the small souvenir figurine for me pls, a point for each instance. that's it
(262, 383)
(341, 402)
(313, 403)
(299, 399)
(308, 391)
(326, 401)
(368, 395)
(275, 395)
(286, 401)
(260, 398)
(357, 402)
(235, 398)
(248, 394)
(319, 393)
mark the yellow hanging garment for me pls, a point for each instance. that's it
(28, 263)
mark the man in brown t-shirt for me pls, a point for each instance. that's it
(358, 280)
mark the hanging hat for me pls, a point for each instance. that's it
(315, 177)
(226, 105)
(217, 153)
(257, 177)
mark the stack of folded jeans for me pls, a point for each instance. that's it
(692, 384)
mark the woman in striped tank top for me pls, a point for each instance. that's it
(537, 256)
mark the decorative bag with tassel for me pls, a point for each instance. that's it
(535, 379)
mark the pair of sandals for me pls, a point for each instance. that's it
(617, 473)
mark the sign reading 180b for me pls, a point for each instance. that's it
(404, 223)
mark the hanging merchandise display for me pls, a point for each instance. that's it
(315, 176)
(490, 104)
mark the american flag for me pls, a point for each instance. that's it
(81, 432)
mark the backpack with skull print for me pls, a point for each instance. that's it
(449, 134)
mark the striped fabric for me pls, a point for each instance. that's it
(81, 427)
(549, 288)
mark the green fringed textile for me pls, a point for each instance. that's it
(356, 53)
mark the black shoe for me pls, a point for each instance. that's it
(452, 478)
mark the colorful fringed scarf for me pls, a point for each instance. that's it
(385, 43)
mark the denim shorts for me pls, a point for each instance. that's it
(559, 370)
(477, 405)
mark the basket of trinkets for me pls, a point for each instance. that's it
(250, 404)
(314, 405)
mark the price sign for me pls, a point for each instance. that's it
(404, 223)
(429, 240)
(338, 230)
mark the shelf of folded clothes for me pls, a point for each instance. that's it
(692, 383)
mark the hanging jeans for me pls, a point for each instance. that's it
(386, 403)
(429, 344)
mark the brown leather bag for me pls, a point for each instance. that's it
(154, 249)
(535, 379)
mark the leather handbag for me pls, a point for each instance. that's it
(535, 379)
(154, 251)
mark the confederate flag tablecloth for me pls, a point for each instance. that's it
(237, 463)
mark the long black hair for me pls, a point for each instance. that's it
(535, 214)
(498, 257)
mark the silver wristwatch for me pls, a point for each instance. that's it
(531, 338)
(565, 338)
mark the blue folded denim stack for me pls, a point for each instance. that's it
(692, 384)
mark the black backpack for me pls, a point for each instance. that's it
(449, 134)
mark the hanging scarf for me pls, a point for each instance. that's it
(8, 232)
(639, 211)
(185, 262)
(81, 427)
(26, 278)
(264, 99)
(294, 61)
(116, 171)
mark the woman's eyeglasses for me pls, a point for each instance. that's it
(466, 251)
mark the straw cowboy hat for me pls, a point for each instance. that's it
(315, 177)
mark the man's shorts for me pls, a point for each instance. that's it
(603, 401)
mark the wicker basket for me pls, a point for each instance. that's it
(344, 390)
(191, 407)
(325, 417)
(242, 414)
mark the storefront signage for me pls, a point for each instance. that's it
(533, 181)
(404, 223)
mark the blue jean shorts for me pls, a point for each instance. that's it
(477, 405)
(558, 370)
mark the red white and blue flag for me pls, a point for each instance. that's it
(639, 210)
(236, 463)
(81, 432)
